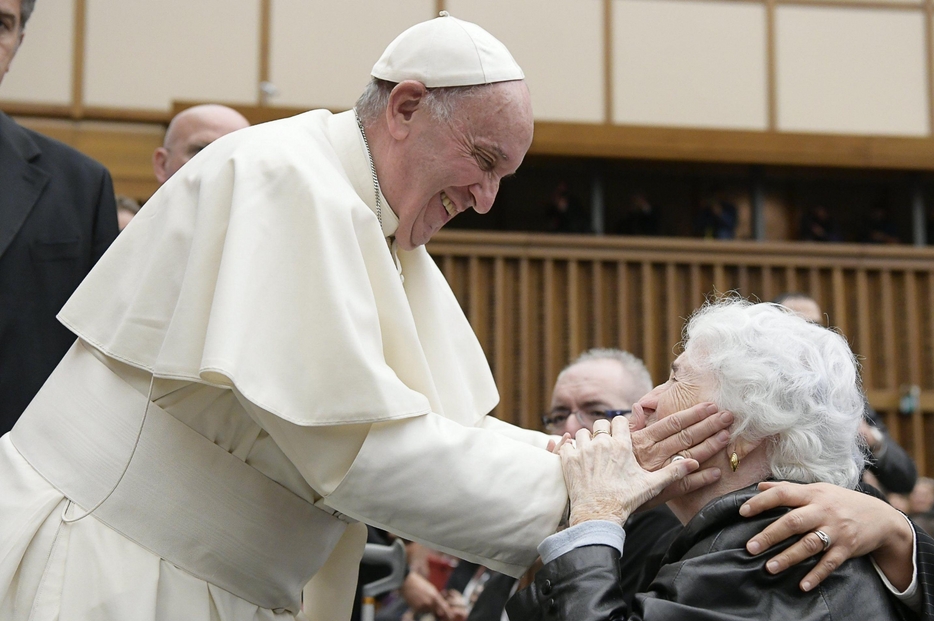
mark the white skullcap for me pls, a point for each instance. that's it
(447, 51)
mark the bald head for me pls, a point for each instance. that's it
(190, 131)
(802, 305)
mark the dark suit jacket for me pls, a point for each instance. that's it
(57, 217)
(925, 572)
(895, 470)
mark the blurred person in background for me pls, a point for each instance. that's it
(189, 132)
(127, 208)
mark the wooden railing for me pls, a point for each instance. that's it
(536, 301)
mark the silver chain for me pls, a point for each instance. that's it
(369, 156)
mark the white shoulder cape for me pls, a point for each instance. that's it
(261, 264)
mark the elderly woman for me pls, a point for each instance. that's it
(794, 391)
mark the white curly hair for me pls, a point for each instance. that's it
(788, 381)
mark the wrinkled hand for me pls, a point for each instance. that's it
(422, 596)
(856, 523)
(696, 433)
(603, 477)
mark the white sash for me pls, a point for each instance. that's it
(177, 494)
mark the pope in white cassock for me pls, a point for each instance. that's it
(268, 356)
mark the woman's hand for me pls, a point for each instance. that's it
(698, 433)
(604, 480)
(856, 524)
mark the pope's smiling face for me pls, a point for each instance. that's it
(452, 166)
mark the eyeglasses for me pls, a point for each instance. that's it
(555, 421)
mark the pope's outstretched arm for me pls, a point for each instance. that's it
(468, 491)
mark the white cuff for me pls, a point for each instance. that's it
(910, 596)
(590, 533)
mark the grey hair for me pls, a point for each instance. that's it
(25, 11)
(784, 379)
(441, 103)
(632, 366)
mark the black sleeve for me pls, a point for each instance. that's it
(895, 469)
(648, 535)
(925, 573)
(581, 585)
(105, 221)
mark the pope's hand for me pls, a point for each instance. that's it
(604, 479)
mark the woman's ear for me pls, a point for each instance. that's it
(406, 97)
(741, 447)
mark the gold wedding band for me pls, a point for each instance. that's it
(598, 432)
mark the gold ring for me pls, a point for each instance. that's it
(598, 432)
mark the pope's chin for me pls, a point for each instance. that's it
(421, 232)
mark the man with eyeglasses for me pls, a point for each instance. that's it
(603, 383)
(599, 384)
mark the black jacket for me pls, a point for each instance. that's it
(57, 217)
(895, 469)
(706, 575)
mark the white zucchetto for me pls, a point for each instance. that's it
(447, 51)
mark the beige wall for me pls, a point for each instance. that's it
(558, 43)
(839, 67)
(321, 52)
(688, 63)
(855, 71)
(144, 54)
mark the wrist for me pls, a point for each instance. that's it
(895, 557)
(587, 512)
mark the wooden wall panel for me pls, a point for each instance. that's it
(537, 301)
(852, 71)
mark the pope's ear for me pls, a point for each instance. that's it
(404, 100)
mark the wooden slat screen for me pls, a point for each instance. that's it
(536, 301)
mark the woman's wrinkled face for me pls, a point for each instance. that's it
(685, 388)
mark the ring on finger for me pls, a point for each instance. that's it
(824, 537)
(598, 432)
(675, 458)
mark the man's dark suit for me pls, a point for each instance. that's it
(57, 217)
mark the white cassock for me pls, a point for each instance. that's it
(256, 371)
